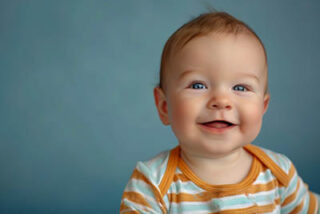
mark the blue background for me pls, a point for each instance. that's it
(77, 109)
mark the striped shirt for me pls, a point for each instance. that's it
(165, 184)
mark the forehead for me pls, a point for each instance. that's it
(219, 52)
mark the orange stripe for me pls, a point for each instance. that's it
(312, 203)
(209, 195)
(262, 187)
(299, 207)
(139, 176)
(131, 212)
(291, 197)
(123, 207)
(169, 173)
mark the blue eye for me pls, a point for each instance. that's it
(239, 88)
(198, 86)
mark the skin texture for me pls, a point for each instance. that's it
(215, 77)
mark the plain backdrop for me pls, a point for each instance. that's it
(77, 109)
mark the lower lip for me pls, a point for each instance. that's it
(217, 130)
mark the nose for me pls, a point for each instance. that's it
(220, 102)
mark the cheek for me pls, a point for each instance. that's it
(183, 113)
(251, 119)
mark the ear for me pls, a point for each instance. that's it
(161, 104)
(266, 100)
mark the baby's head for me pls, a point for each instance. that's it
(213, 87)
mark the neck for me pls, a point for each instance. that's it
(226, 169)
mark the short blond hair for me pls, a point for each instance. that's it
(213, 22)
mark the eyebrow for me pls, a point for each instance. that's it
(187, 72)
(251, 76)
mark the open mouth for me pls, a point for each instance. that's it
(218, 124)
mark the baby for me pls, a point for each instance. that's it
(213, 92)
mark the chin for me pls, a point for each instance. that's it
(216, 150)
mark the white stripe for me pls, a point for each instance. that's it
(201, 203)
(293, 185)
(185, 187)
(264, 177)
(138, 206)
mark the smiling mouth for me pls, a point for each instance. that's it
(217, 126)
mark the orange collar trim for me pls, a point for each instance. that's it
(259, 157)
(269, 163)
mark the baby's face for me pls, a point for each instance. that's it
(214, 98)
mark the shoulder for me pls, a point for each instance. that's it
(154, 168)
(142, 191)
(280, 159)
(279, 164)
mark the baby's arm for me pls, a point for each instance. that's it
(318, 198)
(296, 198)
(141, 195)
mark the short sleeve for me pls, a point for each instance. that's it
(141, 195)
(296, 198)
(317, 198)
